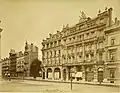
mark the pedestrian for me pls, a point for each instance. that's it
(9, 77)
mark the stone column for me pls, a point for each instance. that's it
(105, 74)
(95, 74)
(46, 73)
(67, 73)
(61, 70)
(83, 73)
(83, 56)
(53, 73)
(95, 50)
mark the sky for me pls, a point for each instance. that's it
(33, 20)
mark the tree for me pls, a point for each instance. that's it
(35, 67)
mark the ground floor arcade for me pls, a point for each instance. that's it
(87, 73)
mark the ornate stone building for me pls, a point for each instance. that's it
(30, 54)
(5, 67)
(20, 64)
(112, 47)
(13, 60)
(80, 48)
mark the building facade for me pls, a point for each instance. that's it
(5, 67)
(78, 51)
(20, 64)
(13, 60)
(112, 47)
(30, 54)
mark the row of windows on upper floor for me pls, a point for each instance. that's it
(87, 35)
(72, 50)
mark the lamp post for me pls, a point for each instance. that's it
(72, 70)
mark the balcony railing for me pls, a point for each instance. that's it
(100, 50)
(100, 62)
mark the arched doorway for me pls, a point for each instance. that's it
(64, 74)
(100, 74)
(49, 73)
(57, 74)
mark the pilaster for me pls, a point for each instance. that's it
(95, 74)
(83, 73)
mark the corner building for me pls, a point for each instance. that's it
(80, 48)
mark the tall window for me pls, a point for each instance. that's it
(112, 55)
(59, 52)
(100, 56)
(112, 41)
(112, 73)
(54, 53)
(59, 42)
(47, 45)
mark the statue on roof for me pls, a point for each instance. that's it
(82, 16)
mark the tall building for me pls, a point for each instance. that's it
(78, 51)
(13, 60)
(5, 67)
(20, 64)
(0, 55)
(112, 50)
(30, 54)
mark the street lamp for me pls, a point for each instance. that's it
(72, 70)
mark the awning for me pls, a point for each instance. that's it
(73, 74)
(78, 74)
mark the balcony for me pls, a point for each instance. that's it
(100, 50)
(79, 53)
(100, 62)
(101, 38)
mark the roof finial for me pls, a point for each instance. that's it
(105, 8)
(99, 11)
(26, 40)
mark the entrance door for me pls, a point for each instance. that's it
(43, 75)
(100, 76)
(64, 74)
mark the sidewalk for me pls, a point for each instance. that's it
(77, 82)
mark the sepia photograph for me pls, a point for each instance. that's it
(60, 46)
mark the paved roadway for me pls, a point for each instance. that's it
(38, 86)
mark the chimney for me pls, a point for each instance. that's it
(110, 16)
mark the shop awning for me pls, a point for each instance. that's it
(78, 74)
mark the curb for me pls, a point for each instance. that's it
(108, 85)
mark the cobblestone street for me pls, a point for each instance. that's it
(38, 86)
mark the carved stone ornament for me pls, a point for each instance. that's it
(82, 16)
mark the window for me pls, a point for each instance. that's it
(80, 37)
(55, 43)
(51, 53)
(54, 53)
(51, 45)
(59, 52)
(59, 42)
(112, 41)
(43, 46)
(92, 33)
(73, 38)
(112, 54)
(87, 35)
(112, 73)
(64, 40)
(100, 56)
(47, 45)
